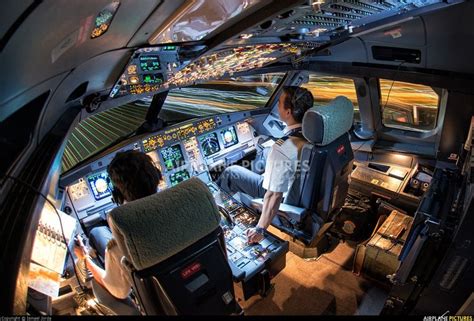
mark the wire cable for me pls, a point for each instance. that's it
(391, 86)
(32, 188)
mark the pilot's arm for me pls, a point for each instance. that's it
(278, 172)
(97, 272)
(271, 203)
(113, 278)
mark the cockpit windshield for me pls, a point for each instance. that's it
(209, 98)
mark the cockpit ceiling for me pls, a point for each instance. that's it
(286, 36)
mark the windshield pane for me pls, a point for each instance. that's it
(99, 131)
(214, 97)
(219, 96)
(326, 88)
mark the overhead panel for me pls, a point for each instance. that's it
(161, 68)
(291, 33)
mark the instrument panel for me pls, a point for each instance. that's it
(180, 152)
(179, 133)
(245, 260)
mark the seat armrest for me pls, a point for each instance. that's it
(293, 213)
(257, 203)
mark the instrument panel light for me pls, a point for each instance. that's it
(104, 19)
(132, 69)
(134, 80)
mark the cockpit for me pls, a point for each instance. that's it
(377, 216)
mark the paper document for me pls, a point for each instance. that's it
(49, 247)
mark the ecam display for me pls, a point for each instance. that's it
(149, 63)
(172, 156)
(179, 177)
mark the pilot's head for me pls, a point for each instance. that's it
(293, 103)
(133, 175)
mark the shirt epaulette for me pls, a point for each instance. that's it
(280, 141)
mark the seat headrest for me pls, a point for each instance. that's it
(156, 227)
(324, 124)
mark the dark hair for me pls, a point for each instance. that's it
(299, 100)
(134, 175)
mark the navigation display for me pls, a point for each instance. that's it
(209, 144)
(172, 156)
(100, 185)
(229, 137)
(179, 177)
(149, 63)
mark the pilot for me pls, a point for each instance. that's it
(281, 164)
(134, 176)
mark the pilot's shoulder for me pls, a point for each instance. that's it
(281, 141)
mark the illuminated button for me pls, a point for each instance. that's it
(134, 80)
(132, 69)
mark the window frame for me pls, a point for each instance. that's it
(436, 90)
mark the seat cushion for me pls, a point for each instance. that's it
(156, 227)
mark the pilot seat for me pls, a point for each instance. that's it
(174, 251)
(321, 183)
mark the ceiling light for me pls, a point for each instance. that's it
(246, 36)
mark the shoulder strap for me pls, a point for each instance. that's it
(294, 133)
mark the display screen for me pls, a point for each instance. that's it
(179, 177)
(172, 156)
(209, 144)
(229, 137)
(100, 185)
(153, 78)
(149, 63)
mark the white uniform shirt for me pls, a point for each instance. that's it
(282, 163)
(117, 280)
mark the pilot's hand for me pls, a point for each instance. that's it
(254, 236)
(79, 251)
